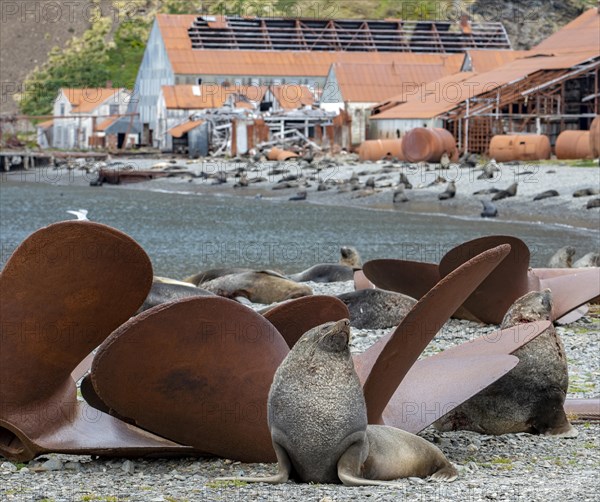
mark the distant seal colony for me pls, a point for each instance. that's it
(318, 422)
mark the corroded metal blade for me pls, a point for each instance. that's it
(583, 409)
(295, 317)
(64, 289)
(196, 371)
(412, 278)
(361, 281)
(383, 366)
(509, 281)
(569, 291)
(434, 387)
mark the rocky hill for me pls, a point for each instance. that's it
(79, 37)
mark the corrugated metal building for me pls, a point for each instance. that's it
(189, 49)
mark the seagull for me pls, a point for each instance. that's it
(80, 213)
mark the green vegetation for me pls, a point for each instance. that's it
(106, 52)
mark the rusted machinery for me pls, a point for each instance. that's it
(595, 137)
(281, 155)
(429, 145)
(573, 145)
(507, 148)
(192, 376)
(377, 149)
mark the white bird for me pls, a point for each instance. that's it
(80, 213)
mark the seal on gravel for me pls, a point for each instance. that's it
(260, 286)
(162, 292)
(213, 273)
(563, 258)
(332, 272)
(318, 422)
(591, 259)
(530, 397)
(376, 308)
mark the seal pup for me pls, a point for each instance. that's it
(332, 272)
(376, 308)
(489, 209)
(449, 193)
(259, 286)
(318, 422)
(589, 260)
(563, 258)
(511, 191)
(531, 396)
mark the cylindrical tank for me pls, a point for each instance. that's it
(595, 138)
(281, 155)
(428, 145)
(573, 145)
(506, 148)
(377, 149)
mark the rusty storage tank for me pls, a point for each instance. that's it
(573, 145)
(428, 145)
(595, 138)
(508, 147)
(377, 149)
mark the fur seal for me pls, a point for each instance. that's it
(213, 273)
(350, 257)
(318, 421)
(511, 191)
(530, 397)
(332, 272)
(449, 193)
(593, 203)
(489, 209)
(162, 292)
(399, 195)
(563, 258)
(589, 260)
(376, 308)
(586, 192)
(403, 180)
(260, 286)
(546, 195)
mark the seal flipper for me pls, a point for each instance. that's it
(282, 476)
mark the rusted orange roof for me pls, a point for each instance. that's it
(581, 34)
(186, 61)
(439, 97)
(292, 96)
(181, 129)
(105, 124)
(372, 83)
(199, 97)
(487, 60)
(46, 124)
(87, 99)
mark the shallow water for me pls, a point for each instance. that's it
(184, 233)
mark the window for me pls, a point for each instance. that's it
(199, 82)
(62, 109)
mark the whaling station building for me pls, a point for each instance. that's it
(377, 78)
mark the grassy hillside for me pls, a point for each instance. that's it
(113, 46)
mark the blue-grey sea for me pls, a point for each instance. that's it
(184, 233)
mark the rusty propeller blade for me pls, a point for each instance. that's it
(569, 291)
(64, 289)
(295, 317)
(196, 371)
(583, 409)
(383, 366)
(439, 386)
(509, 281)
(412, 278)
(361, 281)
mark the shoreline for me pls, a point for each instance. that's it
(562, 210)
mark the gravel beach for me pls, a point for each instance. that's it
(514, 467)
